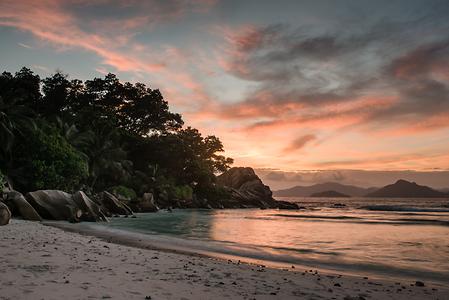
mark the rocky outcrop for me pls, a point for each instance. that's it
(55, 205)
(247, 190)
(114, 206)
(59, 205)
(147, 204)
(20, 207)
(5, 214)
(62, 206)
(91, 211)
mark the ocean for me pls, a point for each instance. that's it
(395, 238)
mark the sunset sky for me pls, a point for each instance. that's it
(286, 85)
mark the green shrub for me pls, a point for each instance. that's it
(124, 191)
(182, 192)
(212, 192)
(48, 161)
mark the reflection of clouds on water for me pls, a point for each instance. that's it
(387, 242)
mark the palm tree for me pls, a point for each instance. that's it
(15, 118)
(106, 156)
(78, 139)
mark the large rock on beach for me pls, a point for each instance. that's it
(115, 206)
(20, 207)
(55, 205)
(247, 190)
(147, 204)
(61, 206)
(91, 211)
(5, 214)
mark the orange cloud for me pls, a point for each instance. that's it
(402, 161)
(53, 22)
(49, 21)
(300, 143)
(415, 127)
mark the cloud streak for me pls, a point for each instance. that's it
(76, 24)
(306, 78)
(299, 143)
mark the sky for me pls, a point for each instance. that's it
(290, 87)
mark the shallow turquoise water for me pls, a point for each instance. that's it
(375, 237)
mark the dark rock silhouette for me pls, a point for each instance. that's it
(115, 206)
(306, 191)
(59, 205)
(247, 190)
(91, 211)
(54, 205)
(147, 204)
(406, 189)
(20, 207)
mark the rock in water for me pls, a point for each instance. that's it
(247, 190)
(147, 204)
(54, 205)
(246, 187)
(91, 211)
(21, 207)
(114, 205)
(5, 214)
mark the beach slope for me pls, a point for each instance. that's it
(43, 262)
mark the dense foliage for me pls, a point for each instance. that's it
(124, 192)
(100, 134)
(47, 161)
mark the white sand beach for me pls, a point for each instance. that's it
(43, 262)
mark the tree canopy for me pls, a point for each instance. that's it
(99, 134)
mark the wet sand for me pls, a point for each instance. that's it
(43, 262)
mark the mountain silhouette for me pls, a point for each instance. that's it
(406, 189)
(306, 191)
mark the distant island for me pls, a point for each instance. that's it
(329, 194)
(405, 189)
(399, 189)
(307, 191)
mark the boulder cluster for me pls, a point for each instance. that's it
(61, 206)
(242, 189)
(248, 191)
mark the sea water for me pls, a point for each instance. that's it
(397, 238)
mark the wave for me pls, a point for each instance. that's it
(402, 208)
(424, 222)
(369, 221)
(317, 217)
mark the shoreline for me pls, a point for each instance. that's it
(45, 262)
(256, 256)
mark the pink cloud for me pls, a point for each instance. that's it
(47, 20)
(400, 161)
(53, 22)
(300, 143)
